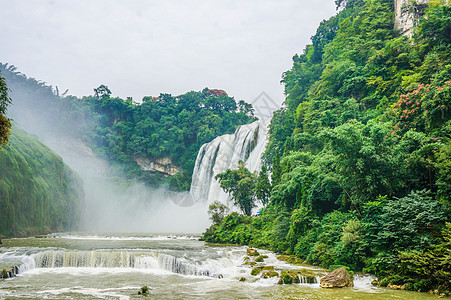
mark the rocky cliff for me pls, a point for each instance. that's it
(408, 13)
(161, 165)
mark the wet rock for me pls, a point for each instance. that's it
(9, 273)
(337, 279)
(256, 271)
(396, 287)
(252, 252)
(290, 259)
(286, 278)
(144, 290)
(270, 274)
(261, 258)
(242, 279)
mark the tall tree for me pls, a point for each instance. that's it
(240, 184)
(5, 124)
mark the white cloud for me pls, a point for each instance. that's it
(141, 48)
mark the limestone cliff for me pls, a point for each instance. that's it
(408, 13)
(162, 165)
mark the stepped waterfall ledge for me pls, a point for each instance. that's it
(247, 144)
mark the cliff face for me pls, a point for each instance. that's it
(408, 13)
(162, 165)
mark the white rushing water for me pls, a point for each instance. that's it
(116, 266)
(247, 144)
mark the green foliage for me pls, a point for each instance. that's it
(5, 124)
(408, 223)
(263, 186)
(430, 267)
(360, 153)
(169, 128)
(38, 192)
(144, 290)
(234, 229)
(245, 187)
(436, 27)
(102, 92)
(217, 212)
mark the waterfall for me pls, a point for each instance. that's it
(247, 144)
(114, 259)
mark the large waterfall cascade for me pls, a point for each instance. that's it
(247, 144)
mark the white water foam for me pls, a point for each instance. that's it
(247, 144)
(98, 293)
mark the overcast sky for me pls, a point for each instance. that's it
(144, 48)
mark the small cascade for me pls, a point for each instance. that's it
(247, 144)
(308, 279)
(10, 273)
(181, 266)
(113, 259)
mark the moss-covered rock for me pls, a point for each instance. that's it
(252, 252)
(259, 259)
(286, 278)
(291, 259)
(255, 271)
(269, 274)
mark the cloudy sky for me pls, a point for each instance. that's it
(147, 47)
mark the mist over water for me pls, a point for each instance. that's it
(111, 204)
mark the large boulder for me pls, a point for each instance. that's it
(337, 279)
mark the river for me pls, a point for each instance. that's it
(116, 266)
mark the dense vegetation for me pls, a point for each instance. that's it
(5, 124)
(173, 127)
(360, 153)
(38, 192)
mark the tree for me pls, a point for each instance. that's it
(217, 212)
(5, 124)
(246, 108)
(102, 91)
(263, 186)
(240, 184)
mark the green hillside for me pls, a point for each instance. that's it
(38, 192)
(123, 131)
(360, 153)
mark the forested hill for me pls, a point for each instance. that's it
(163, 134)
(38, 192)
(360, 153)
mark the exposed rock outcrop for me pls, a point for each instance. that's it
(408, 14)
(252, 252)
(337, 279)
(162, 165)
(9, 272)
